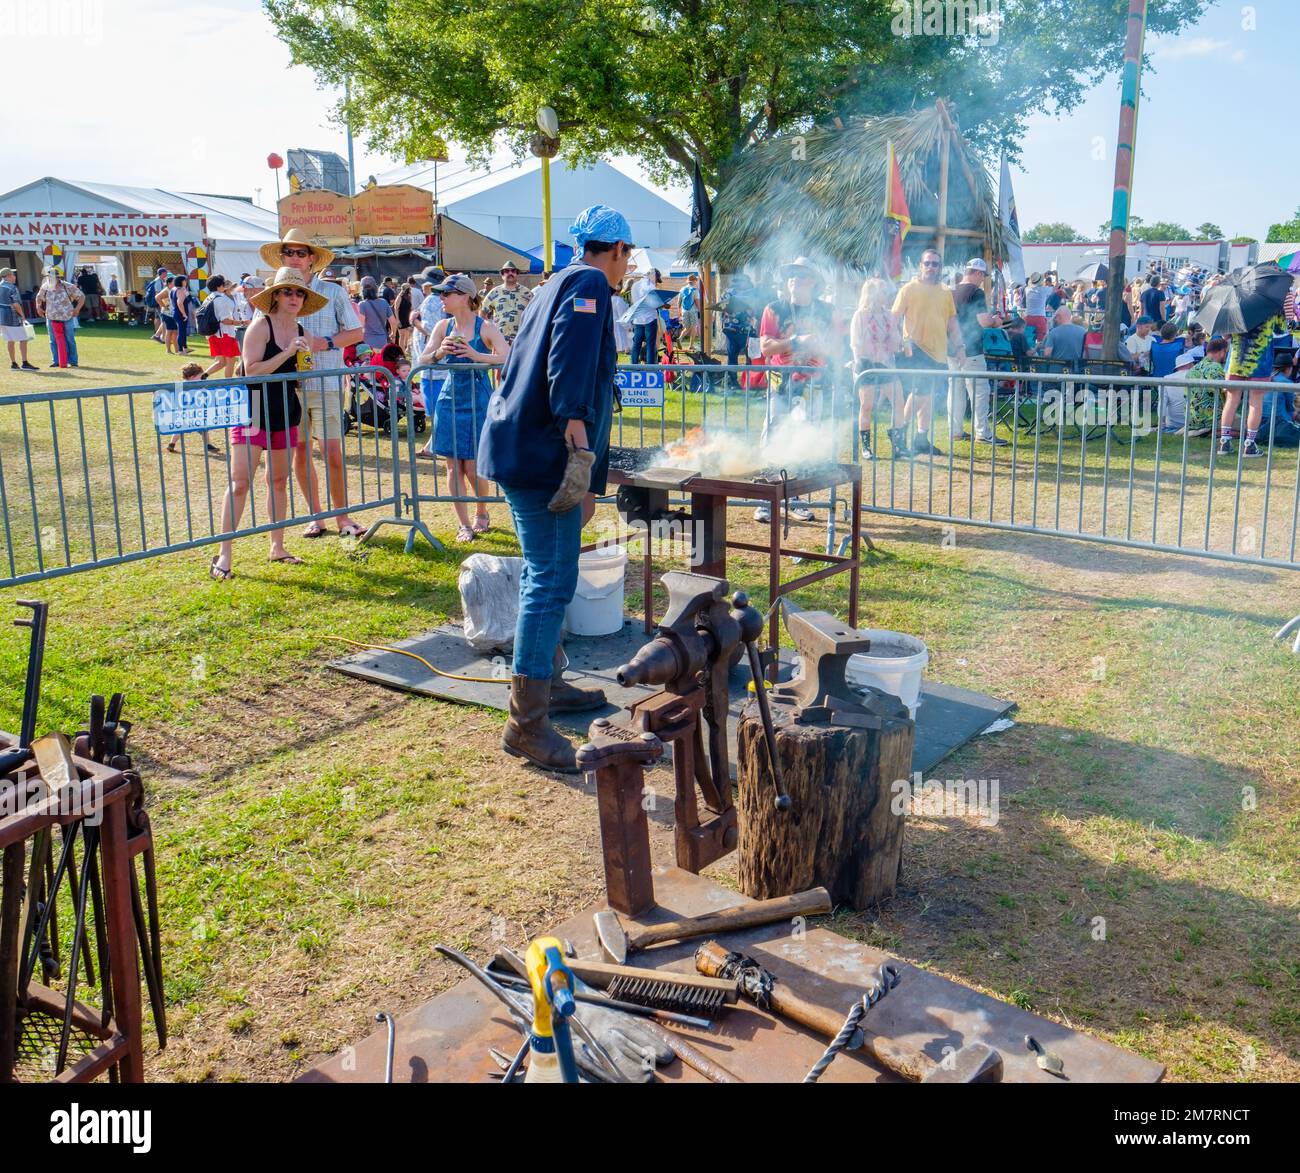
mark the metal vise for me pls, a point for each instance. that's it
(820, 693)
(690, 656)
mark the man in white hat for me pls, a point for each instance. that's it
(330, 330)
(973, 318)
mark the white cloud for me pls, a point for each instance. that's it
(1194, 47)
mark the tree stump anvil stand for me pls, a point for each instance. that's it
(840, 754)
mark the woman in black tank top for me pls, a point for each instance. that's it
(273, 345)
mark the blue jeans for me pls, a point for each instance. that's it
(737, 349)
(645, 340)
(551, 543)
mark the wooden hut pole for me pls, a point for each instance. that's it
(944, 151)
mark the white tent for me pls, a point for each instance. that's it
(235, 228)
(504, 200)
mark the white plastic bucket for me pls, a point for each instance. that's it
(895, 664)
(597, 607)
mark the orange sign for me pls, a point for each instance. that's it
(323, 216)
(399, 210)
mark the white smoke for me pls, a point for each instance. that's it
(796, 443)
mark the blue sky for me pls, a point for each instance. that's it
(1214, 140)
(1216, 137)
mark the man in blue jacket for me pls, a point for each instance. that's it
(546, 443)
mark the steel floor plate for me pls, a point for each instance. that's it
(948, 717)
(447, 1039)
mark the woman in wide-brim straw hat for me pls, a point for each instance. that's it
(274, 345)
(294, 240)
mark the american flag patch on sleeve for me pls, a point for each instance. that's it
(584, 305)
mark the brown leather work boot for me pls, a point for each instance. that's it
(569, 698)
(529, 733)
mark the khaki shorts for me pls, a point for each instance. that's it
(322, 415)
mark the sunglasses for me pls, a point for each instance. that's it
(929, 264)
(295, 252)
(293, 293)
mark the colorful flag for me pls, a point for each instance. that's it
(1010, 225)
(898, 218)
(584, 305)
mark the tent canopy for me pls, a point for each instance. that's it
(237, 228)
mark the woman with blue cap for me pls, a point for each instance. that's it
(546, 443)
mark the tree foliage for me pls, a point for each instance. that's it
(1054, 232)
(1139, 229)
(670, 81)
(1209, 231)
(1285, 232)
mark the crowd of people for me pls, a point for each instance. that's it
(311, 317)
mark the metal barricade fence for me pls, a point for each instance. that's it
(1084, 456)
(86, 479)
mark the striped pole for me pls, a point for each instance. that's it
(1124, 147)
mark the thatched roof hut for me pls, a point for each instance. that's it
(823, 194)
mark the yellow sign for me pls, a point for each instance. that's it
(400, 210)
(324, 217)
(328, 218)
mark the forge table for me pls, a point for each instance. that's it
(447, 1040)
(708, 519)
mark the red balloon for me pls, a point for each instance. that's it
(274, 161)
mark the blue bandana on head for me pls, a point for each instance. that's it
(600, 222)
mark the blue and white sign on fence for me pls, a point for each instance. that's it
(640, 388)
(194, 408)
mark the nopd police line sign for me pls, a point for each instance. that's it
(185, 408)
(640, 388)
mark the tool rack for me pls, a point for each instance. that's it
(108, 1038)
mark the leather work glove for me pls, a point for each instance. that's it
(634, 1050)
(577, 480)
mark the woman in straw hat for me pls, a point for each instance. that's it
(274, 345)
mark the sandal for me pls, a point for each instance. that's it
(464, 534)
(215, 571)
(352, 530)
(214, 450)
(315, 530)
(481, 524)
(289, 560)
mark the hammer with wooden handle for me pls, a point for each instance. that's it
(616, 942)
(973, 1063)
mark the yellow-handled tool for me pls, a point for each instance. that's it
(550, 1045)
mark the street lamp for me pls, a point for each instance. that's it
(544, 146)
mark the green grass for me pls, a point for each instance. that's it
(316, 836)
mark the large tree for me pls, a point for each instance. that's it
(1054, 232)
(672, 81)
(1285, 232)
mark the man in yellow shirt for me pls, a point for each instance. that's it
(929, 321)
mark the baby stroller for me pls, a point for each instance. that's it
(377, 393)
